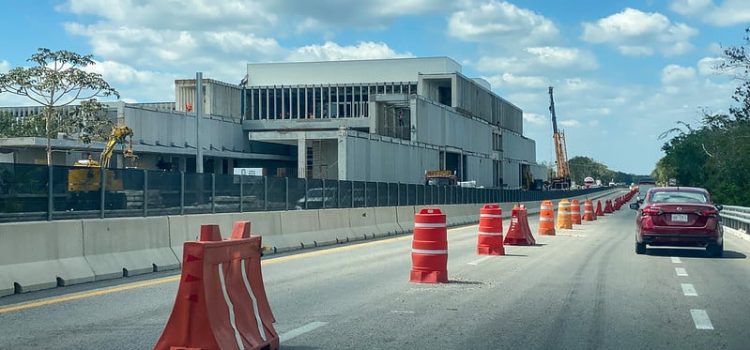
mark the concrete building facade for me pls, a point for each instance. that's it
(388, 120)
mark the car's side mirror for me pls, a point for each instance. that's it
(634, 206)
(719, 207)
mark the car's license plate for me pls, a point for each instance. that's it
(679, 217)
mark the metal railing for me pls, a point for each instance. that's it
(736, 217)
(38, 192)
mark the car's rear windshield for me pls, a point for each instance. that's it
(677, 197)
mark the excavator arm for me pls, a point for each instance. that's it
(117, 135)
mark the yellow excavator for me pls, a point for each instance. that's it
(87, 179)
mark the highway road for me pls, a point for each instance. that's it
(582, 289)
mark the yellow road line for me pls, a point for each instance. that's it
(163, 280)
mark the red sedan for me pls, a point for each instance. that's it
(678, 216)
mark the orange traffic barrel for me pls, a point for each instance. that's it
(547, 219)
(429, 248)
(588, 211)
(490, 238)
(575, 212)
(599, 211)
(563, 215)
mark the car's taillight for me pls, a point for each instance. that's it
(712, 213)
(649, 211)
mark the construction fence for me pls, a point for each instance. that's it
(31, 192)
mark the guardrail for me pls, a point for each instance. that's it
(736, 217)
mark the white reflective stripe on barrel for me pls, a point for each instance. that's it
(492, 216)
(546, 207)
(545, 219)
(490, 233)
(428, 251)
(429, 224)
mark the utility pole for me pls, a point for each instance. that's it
(198, 117)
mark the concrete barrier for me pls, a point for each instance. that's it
(335, 223)
(405, 218)
(301, 228)
(187, 227)
(40, 255)
(362, 222)
(267, 225)
(127, 246)
(387, 221)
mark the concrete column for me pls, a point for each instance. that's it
(302, 158)
(342, 155)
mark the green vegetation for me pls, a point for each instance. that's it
(57, 78)
(716, 154)
(581, 167)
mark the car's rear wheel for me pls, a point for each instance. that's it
(640, 248)
(715, 250)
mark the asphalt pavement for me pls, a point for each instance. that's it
(584, 288)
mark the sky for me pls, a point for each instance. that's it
(623, 71)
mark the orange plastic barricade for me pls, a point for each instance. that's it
(575, 212)
(429, 247)
(490, 238)
(608, 207)
(588, 211)
(547, 219)
(221, 301)
(599, 211)
(519, 232)
(563, 215)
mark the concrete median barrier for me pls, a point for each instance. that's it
(40, 255)
(183, 228)
(362, 222)
(387, 221)
(301, 228)
(127, 246)
(405, 218)
(334, 223)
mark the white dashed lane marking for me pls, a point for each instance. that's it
(478, 261)
(689, 290)
(300, 331)
(701, 320)
(676, 260)
(680, 271)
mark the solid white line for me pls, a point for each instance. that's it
(688, 290)
(232, 321)
(301, 330)
(680, 271)
(476, 262)
(676, 260)
(261, 328)
(701, 320)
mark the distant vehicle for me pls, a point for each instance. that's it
(588, 182)
(679, 216)
(470, 184)
(612, 184)
(643, 187)
(316, 198)
(440, 178)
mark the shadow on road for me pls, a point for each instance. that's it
(693, 253)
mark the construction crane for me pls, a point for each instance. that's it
(562, 180)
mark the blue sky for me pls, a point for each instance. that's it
(623, 71)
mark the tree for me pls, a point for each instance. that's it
(59, 79)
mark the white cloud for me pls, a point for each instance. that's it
(730, 12)
(637, 33)
(331, 51)
(674, 74)
(543, 58)
(534, 118)
(4, 66)
(520, 81)
(708, 65)
(501, 23)
(570, 123)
